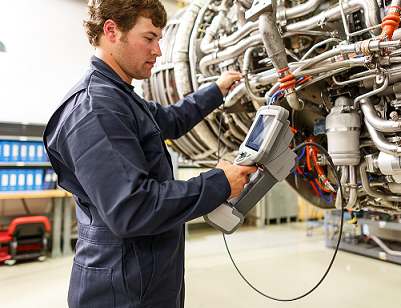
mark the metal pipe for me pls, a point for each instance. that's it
(302, 9)
(207, 45)
(352, 188)
(343, 83)
(229, 53)
(329, 67)
(275, 50)
(318, 45)
(384, 247)
(258, 101)
(370, 191)
(371, 93)
(370, 8)
(345, 24)
(381, 143)
(343, 180)
(378, 123)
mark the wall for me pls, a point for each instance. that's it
(46, 53)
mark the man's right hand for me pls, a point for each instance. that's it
(236, 175)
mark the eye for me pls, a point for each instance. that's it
(149, 38)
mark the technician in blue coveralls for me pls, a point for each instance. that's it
(106, 145)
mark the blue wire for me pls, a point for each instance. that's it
(302, 154)
(321, 194)
(274, 96)
(300, 79)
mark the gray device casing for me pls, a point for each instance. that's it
(275, 162)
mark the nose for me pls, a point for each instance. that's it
(156, 51)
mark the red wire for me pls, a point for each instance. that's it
(314, 187)
(321, 187)
(305, 79)
(308, 158)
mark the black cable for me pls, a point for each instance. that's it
(220, 123)
(295, 150)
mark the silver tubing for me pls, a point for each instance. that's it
(308, 32)
(302, 9)
(384, 247)
(318, 45)
(384, 86)
(344, 19)
(321, 77)
(352, 188)
(233, 51)
(329, 67)
(370, 191)
(343, 180)
(343, 83)
(256, 100)
(381, 143)
(378, 123)
(370, 8)
(208, 46)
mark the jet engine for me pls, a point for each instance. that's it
(334, 65)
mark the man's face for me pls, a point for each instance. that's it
(136, 51)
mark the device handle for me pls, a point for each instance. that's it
(260, 183)
(229, 216)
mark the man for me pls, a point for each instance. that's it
(106, 145)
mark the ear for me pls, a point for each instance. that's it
(110, 30)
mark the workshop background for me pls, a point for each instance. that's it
(281, 249)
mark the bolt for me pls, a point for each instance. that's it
(394, 116)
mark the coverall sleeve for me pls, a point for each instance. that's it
(176, 120)
(106, 154)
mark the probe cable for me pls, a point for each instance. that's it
(295, 150)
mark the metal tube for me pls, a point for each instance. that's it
(343, 83)
(229, 53)
(318, 45)
(381, 143)
(383, 87)
(329, 67)
(384, 247)
(370, 191)
(370, 8)
(207, 46)
(378, 123)
(302, 9)
(343, 180)
(275, 50)
(352, 188)
(258, 101)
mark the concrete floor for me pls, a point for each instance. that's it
(279, 260)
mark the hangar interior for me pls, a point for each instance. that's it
(333, 66)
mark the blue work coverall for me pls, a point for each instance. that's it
(107, 146)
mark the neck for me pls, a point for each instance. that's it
(105, 56)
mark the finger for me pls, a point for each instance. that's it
(251, 169)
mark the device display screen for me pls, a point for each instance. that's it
(259, 132)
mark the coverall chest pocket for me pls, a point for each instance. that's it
(90, 287)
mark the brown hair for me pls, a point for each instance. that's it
(125, 14)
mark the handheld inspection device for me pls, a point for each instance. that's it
(266, 145)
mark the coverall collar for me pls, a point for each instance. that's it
(101, 66)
